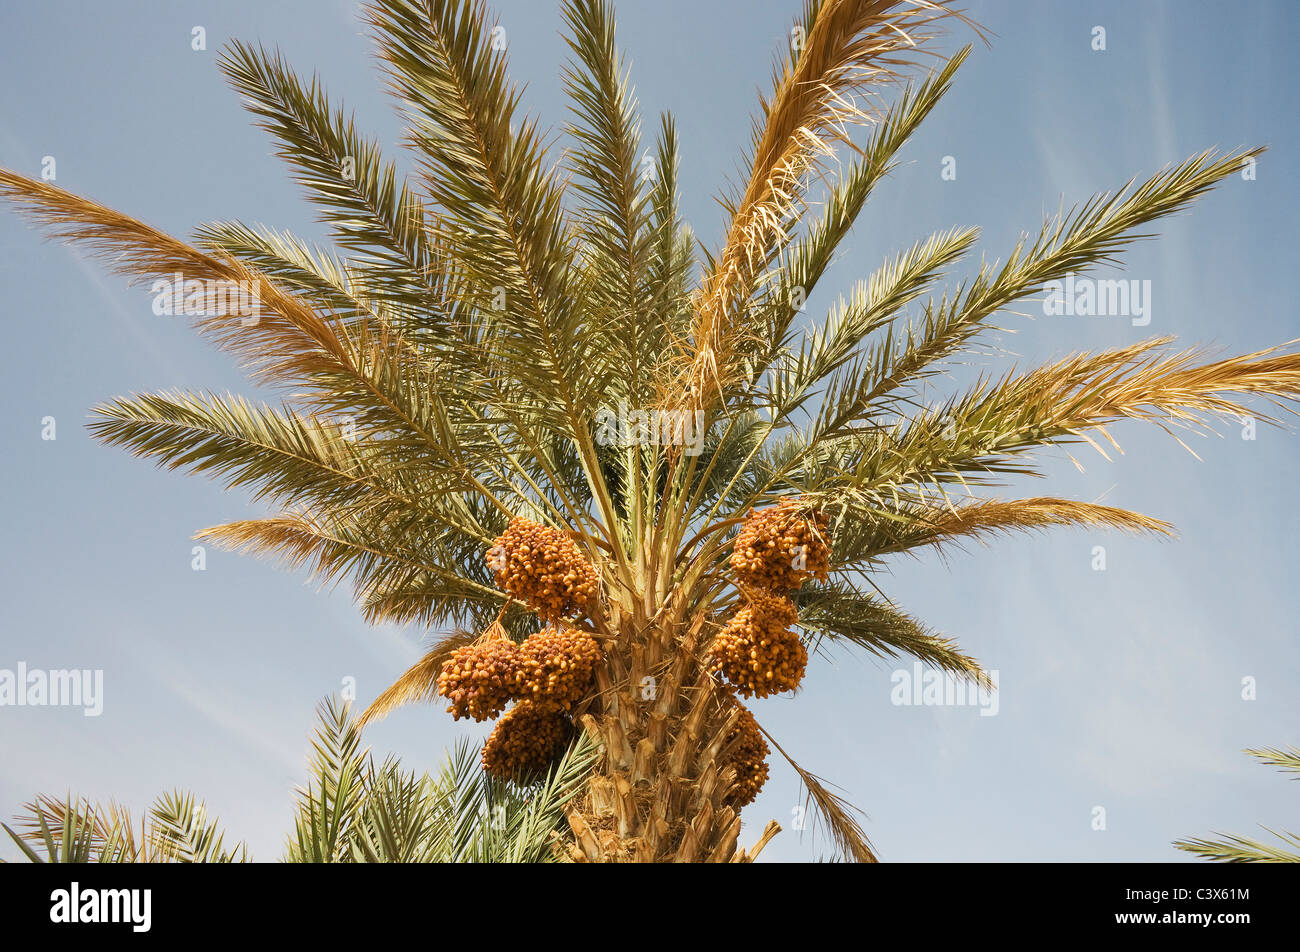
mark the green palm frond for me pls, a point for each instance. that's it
(294, 459)
(672, 252)
(1288, 758)
(175, 829)
(1090, 235)
(355, 811)
(433, 577)
(484, 167)
(532, 820)
(1229, 848)
(331, 802)
(615, 222)
(838, 613)
(350, 810)
(183, 833)
(1241, 849)
(393, 822)
(873, 304)
(374, 214)
(302, 269)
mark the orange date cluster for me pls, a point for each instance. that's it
(526, 741)
(758, 651)
(779, 548)
(544, 569)
(748, 754)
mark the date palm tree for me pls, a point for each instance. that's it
(453, 361)
(351, 810)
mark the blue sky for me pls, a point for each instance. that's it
(1120, 689)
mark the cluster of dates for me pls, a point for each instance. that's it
(759, 651)
(544, 569)
(545, 675)
(777, 550)
(748, 754)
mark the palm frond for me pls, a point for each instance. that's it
(527, 829)
(372, 211)
(69, 831)
(804, 263)
(181, 831)
(380, 561)
(1074, 242)
(287, 456)
(308, 271)
(817, 97)
(483, 165)
(837, 612)
(1287, 758)
(1230, 848)
(176, 829)
(672, 251)
(420, 681)
(484, 168)
(1241, 849)
(615, 208)
(350, 810)
(986, 429)
(279, 336)
(330, 803)
(863, 538)
(832, 810)
(873, 304)
(395, 819)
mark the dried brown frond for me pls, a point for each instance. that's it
(1089, 390)
(834, 810)
(818, 98)
(420, 681)
(986, 517)
(749, 855)
(281, 337)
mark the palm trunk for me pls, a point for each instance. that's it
(660, 790)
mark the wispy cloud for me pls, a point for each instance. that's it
(244, 718)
